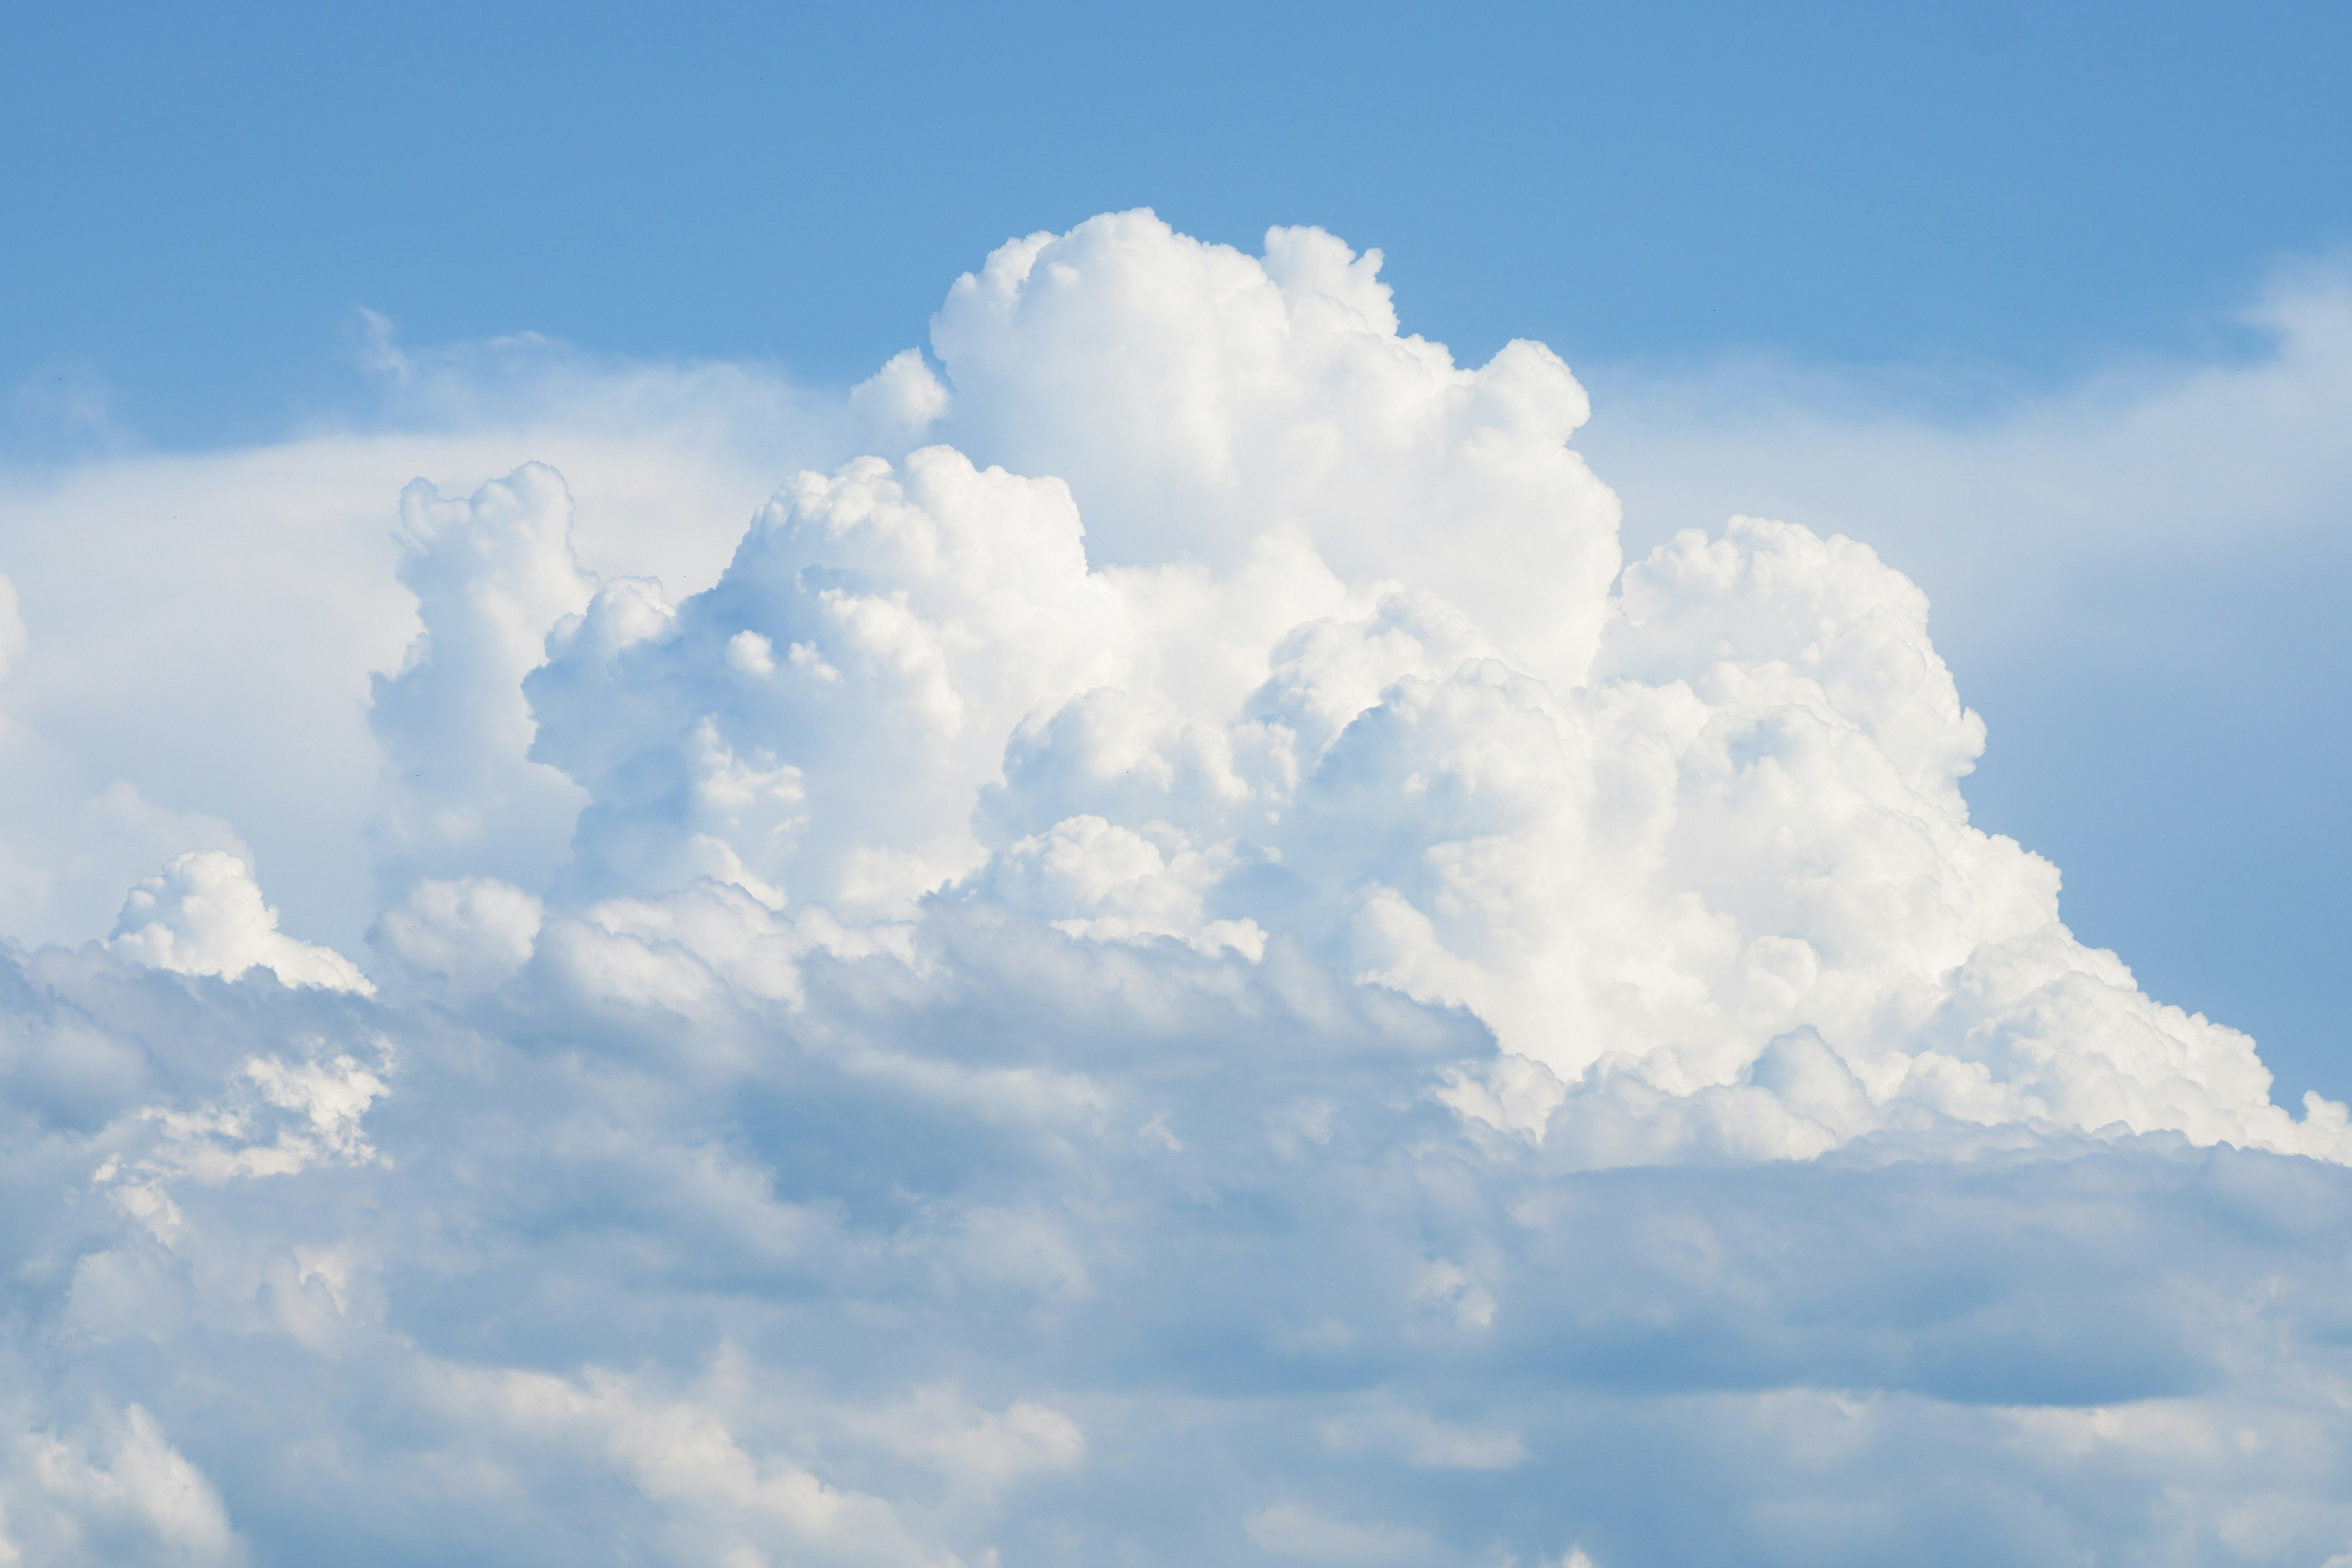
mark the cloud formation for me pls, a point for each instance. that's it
(1174, 965)
(205, 916)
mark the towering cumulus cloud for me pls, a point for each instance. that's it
(1182, 965)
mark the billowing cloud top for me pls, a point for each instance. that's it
(1182, 966)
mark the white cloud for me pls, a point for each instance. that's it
(1226, 990)
(204, 915)
(723, 1502)
(902, 399)
(1205, 405)
(471, 931)
(114, 1493)
(492, 574)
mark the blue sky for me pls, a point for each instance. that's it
(788, 786)
(1987, 191)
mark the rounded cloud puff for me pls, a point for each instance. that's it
(1187, 972)
(1205, 406)
(204, 915)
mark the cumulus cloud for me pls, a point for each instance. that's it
(490, 574)
(205, 627)
(1177, 963)
(204, 915)
(2134, 572)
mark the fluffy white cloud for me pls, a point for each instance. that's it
(1206, 407)
(1171, 967)
(204, 915)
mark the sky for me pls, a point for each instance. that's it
(1991, 192)
(1551, 787)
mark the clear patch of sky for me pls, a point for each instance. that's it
(2193, 798)
(200, 197)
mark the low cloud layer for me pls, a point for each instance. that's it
(1179, 963)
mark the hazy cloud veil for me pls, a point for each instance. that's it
(1183, 966)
